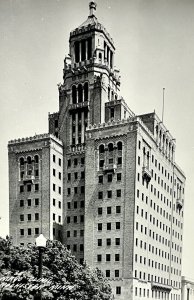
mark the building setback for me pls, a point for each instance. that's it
(104, 180)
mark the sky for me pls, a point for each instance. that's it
(154, 42)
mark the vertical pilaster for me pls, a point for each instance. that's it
(86, 49)
(71, 131)
(76, 128)
(80, 51)
(82, 127)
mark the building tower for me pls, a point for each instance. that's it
(118, 203)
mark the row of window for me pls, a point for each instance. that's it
(29, 188)
(110, 162)
(54, 188)
(115, 272)
(55, 201)
(29, 202)
(109, 226)
(108, 257)
(75, 176)
(76, 204)
(75, 189)
(75, 247)
(156, 250)
(109, 178)
(110, 147)
(75, 219)
(29, 217)
(29, 231)
(109, 210)
(142, 276)
(109, 194)
(108, 242)
(29, 160)
(74, 162)
(75, 233)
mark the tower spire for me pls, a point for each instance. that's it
(92, 8)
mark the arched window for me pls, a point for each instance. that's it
(29, 160)
(80, 93)
(36, 159)
(119, 145)
(21, 161)
(86, 91)
(101, 149)
(74, 94)
(110, 147)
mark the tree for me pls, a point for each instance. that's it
(63, 278)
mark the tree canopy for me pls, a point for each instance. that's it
(62, 276)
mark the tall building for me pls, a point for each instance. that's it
(118, 201)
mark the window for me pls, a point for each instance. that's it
(118, 225)
(29, 187)
(119, 160)
(75, 190)
(81, 232)
(82, 204)
(21, 203)
(117, 257)
(101, 163)
(75, 219)
(109, 179)
(99, 210)
(75, 248)
(59, 175)
(69, 176)
(99, 226)
(54, 187)
(54, 158)
(107, 273)
(117, 241)
(36, 173)
(59, 161)
(59, 190)
(75, 162)
(99, 257)
(118, 193)
(118, 176)
(108, 242)
(82, 189)
(108, 226)
(109, 210)
(99, 242)
(69, 205)
(54, 202)
(82, 218)
(116, 273)
(36, 201)
(108, 257)
(54, 172)
(22, 232)
(29, 231)
(118, 290)
(100, 179)
(109, 194)
(21, 217)
(29, 202)
(82, 160)
(75, 204)
(68, 233)
(36, 231)
(75, 176)
(69, 191)
(82, 175)
(36, 187)
(100, 195)
(53, 217)
(36, 216)
(68, 220)
(118, 209)
(81, 247)
(69, 163)
(59, 219)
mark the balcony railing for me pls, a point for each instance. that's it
(110, 168)
(28, 179)
(179, 203)
(161, 286)
(78, 105)
(146, 173)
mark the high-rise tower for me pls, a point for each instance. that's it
(116, 198)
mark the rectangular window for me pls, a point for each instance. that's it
(108, 242)
(82, 175)
(68, 220)
(36, 201)
(107, 273)
(54, 158)
(119, 160)
(36, 187)
(75, 176)
(118, 290)
(54, 172)
(21, 203)
(29, 187)
(75, 204)
(99, 210)
(118, 176)
(99, 242)
(82, 218)
(59, 219)
(108, 226)
(82, 160)
(54, 202)
(99, 257)
(59, 161)
(101, 163)
(116, 273)
(118, 225)
(36, 216)
(109, 210)
(69, 191)
(117, 241)
(108, 257)
(109, 194)
(29, 231)
(53, 217)
(100, 195)
(117, 257)
(109, 177)
(99, 226)
(36, 231)
(54, 187)
(118, 193)
(118, 209)
(82, 189)
(59, 190)
(29, 202)
(75, 219)
(22, 232)
(75, 162)
(100, 179)
(21, 218)
(59, 175)
(69, 163)
(69, 176)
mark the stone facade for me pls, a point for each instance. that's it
(122, 194)
(187, 288)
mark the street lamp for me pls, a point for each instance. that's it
(41, 244)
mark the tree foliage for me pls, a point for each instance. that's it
(62, 276)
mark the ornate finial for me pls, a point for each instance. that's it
(92, 7)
